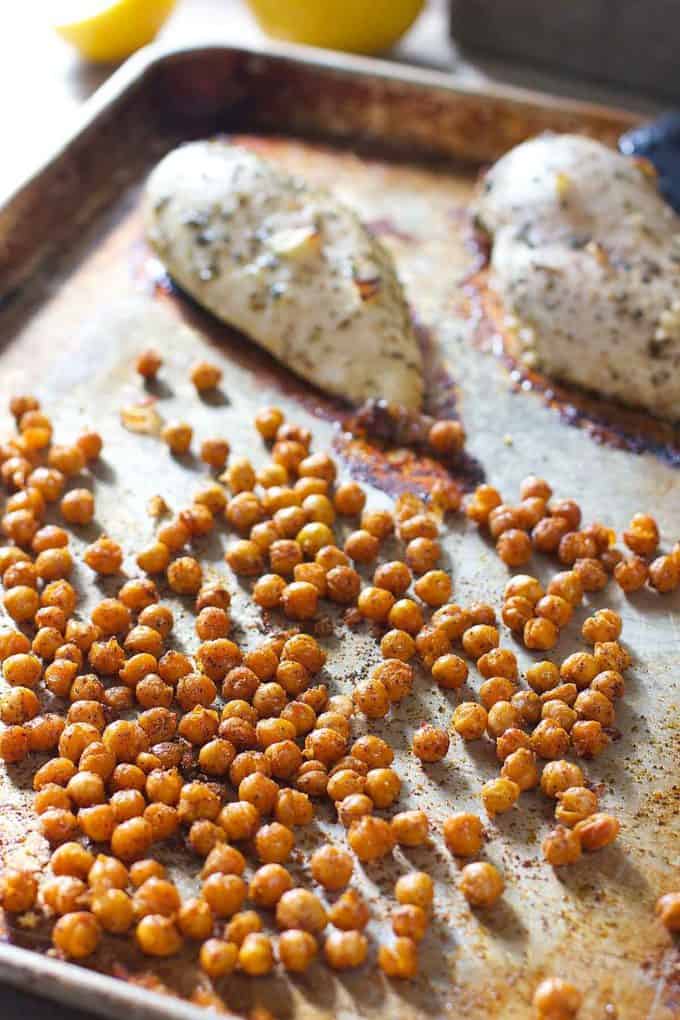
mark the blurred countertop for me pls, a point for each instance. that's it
(43, 83)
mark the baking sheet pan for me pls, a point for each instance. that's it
(80, 296)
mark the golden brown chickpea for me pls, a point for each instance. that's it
(603, 625)
(610, 683)
(481, 884)
(415, 889)
(301, 909)
(561, 846)
(349, 912)
(214, 453)
(422, 554)
(430, 743)
(217, 957)
(267, 422)
(446, 437)
(274, 843)
(664, 574)
(559, 776)
(56, 770)
(410, 828)
(642, 535)
(469, 720)
(131, 839)
(268, 885)
(18, 705)
(520, 767)
(549, 740)
(299, 600)
(668, 911)
(400, 960)
(379, 523)
(371, 698)
(256, 955)
(244, 558)
(409, 921)
(297, 950)
(156, 896)
(495, 690)
(148, 363)
(185, 576)
(107, 873)
(18, 890)
(113, 909)
(554, 608)
(243, 511)
(22, 670)
(370, 838)
(591, 573)
(597, 831)
(195, 919)
(142, 871)
(484, 499)
(225, 894)
(479, 640)
(104, 556)
(631, 574)
(345, 949)
(21, 603)
(67, 459)
(398, 644)
(574, 804)
(516, 613)
(331, 867)
(268, 590)
(540, 634)
(514, 547)
(157, 935)
(559, 712)
(77, 934)
(205, 375)
(463, 834)
(580, 669)
(547, 534)
(343, 584)
(555, 999)
(499, 795)
(77, 506)
(90, 444)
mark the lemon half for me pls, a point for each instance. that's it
(356, 26)
(108, 31)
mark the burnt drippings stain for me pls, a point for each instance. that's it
(605, 421)
(382, 443)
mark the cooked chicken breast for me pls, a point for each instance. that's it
(289, 266)
(586, 260)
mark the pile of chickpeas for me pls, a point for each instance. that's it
(233, 750)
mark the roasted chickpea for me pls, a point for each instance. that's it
(555, 999)
(399, 960)
(668, 911)
(77, 934)
(470, 720)
(481, 884)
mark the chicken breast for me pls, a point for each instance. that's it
(289, 266)
(586, 261)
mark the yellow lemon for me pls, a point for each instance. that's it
(359, 26)
(107, 31)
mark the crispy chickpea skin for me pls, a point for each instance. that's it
(668, 911)
(556, 999)
(481, 884)
(77, 934)
(463, 834)
(400, 959)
